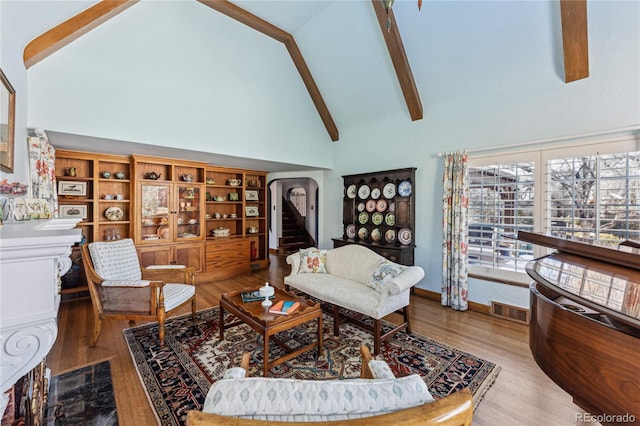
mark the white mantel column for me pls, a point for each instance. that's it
(33, 256)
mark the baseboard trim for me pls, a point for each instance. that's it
(473, 306)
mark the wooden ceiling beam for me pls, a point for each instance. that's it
(575, 43)
(232, 11)
(399, 59)
(72, 29)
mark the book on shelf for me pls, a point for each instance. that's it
(254, 296)
(284, 307)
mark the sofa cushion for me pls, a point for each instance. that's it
(385, 271)
(312, 261)
(353, 262)
(314, 400)
(348, 294)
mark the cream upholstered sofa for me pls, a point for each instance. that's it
(356, 278)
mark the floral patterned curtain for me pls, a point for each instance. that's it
(455, 202)
(42, 162)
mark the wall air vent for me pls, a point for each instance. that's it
(511, 313)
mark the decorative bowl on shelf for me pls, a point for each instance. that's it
(210, 181)
(221, 232)
(234, 182)
(114, 213)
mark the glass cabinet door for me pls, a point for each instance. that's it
(155, 205)
(188, 218)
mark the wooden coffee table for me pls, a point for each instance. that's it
(268, 324)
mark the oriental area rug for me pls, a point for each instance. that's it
(178, 376)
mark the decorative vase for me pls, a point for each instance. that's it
(266, 292)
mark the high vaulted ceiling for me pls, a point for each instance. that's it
(262, 16)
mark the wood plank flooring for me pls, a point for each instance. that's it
(521, 395)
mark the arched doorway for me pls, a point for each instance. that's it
(302, 195)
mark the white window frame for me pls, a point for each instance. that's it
(540, 156)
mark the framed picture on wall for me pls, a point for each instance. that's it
(7, 123)
(66, 187)
(73, 210)
(251, 211)
(251, 195)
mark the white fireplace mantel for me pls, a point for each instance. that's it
(33, 256)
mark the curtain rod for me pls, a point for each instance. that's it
(549, 140)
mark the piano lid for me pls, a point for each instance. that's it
(601, 278)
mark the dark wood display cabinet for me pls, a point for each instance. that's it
(379, 213)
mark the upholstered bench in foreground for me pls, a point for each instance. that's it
(376, 398)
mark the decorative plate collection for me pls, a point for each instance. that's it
(376, 212)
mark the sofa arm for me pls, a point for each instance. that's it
(294, 260)
(405, 279)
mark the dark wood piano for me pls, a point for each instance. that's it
(585, 324)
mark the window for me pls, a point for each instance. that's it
(590, 197)
(593, 198)
(501, 203)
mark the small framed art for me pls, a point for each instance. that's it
(251, 195)
(7, 123)
(73, 210)
(251, 211)
(66, 187)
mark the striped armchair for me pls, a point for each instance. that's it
(121, 289)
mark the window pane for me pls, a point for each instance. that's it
(500, 204)
(593, 198)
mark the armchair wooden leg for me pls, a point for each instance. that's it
(336, 320)
(376, 337)
(97, 329)
(193, 309)
(161, 318)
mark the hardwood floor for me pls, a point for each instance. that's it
(521, 395)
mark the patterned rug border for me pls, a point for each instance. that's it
(201, 378)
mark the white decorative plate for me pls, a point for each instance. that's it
(404, 236)
(351, 231)
(363, 217)
(364, 191)
(114, 213)
(363, 233)
(404, 188)
(389, 190)
(375, 193)
(376, 234)
(371, 205)
(390, 219)
(390, 236)
(360, 207)
(351, 191)
(377, 219)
